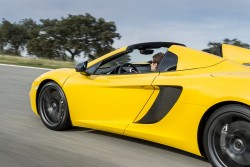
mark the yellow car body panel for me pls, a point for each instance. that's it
(125, 96)
(180, 125)
(121, 103)
(190, 59)
(172, 130)
(235, 53)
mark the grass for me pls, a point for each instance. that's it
(43, 63)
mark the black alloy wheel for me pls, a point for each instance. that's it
(227, 137)
(53, 108)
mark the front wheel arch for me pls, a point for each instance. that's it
(39, 90)
(65, 122)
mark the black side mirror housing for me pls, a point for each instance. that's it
(81, 67)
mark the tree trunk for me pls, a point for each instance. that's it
(72, 57)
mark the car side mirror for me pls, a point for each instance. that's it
(81, 67)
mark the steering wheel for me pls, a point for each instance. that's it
(133, 69)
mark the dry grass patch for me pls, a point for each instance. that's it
(44, 63)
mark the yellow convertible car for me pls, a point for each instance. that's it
(190, 100)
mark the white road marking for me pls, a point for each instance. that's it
(11, 65)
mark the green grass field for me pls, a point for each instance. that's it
(43, 63)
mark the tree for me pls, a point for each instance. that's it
(236, 43)
(14, 36)
(74, 36)
(43, 42)
(213, 46)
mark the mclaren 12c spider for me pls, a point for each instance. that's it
(194, 101)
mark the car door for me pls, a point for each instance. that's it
(108, 102)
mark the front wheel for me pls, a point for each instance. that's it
(53, 108)
(227, 137)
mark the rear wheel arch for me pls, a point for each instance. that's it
(205, 118)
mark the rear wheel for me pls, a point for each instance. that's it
(53, 108)
(227, 137)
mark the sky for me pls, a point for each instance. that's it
(191, 22)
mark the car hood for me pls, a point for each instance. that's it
(58, 75)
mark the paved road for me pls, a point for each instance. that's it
(25, 142)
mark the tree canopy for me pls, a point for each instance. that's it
(62, 38)
(14, 36)
(69, 37)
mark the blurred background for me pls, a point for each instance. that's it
(84, 30)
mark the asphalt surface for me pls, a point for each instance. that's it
(26, 142)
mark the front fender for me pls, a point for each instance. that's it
(59, 76)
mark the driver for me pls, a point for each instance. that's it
(156, 61)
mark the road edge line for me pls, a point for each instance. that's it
(18, 66)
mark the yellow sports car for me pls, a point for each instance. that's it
(159, 91)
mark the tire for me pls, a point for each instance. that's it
(226, 137)
(53, 107)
